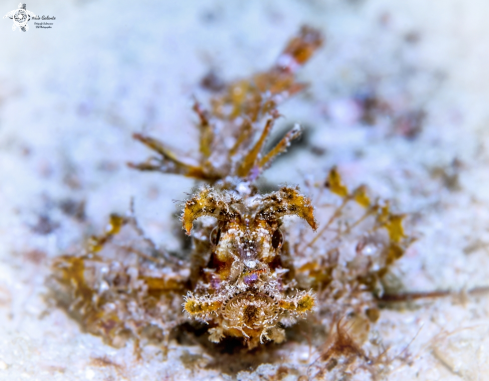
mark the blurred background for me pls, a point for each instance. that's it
(397, 99)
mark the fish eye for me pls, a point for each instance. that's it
(215, 235)
(277, 239)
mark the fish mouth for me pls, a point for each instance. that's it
(251, 311)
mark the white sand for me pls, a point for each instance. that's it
(71, 96)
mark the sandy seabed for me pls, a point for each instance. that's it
(71, 97)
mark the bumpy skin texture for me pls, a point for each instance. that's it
(239, 277)
(244, 290)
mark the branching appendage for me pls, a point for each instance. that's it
(246, 277)
(241, 292)
(122, 286)
(356, 245)
(239, 278)
(239, 109)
